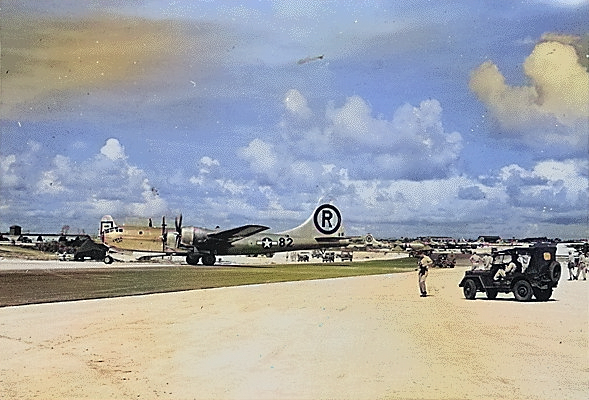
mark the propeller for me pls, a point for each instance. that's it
(178, 224)
(164, 234)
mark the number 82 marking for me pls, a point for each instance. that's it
(285, 242)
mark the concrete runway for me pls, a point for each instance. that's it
(350, 338)
(12, 264)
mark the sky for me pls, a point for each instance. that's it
(415, 118)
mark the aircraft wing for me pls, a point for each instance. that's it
(233, 234)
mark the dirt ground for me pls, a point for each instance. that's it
(351, 338)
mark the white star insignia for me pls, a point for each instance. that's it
(266, 243)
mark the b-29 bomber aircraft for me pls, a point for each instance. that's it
(322, 229)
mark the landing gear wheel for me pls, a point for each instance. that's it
(491, 293)
(522, 291)
(542, 294)
(192, 259)
(470, 289)
(209, 259)
(108, 260)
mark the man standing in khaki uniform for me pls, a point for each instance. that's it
(423, 267)
(582, 268)
(571, 265)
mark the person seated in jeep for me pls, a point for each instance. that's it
(511, 268)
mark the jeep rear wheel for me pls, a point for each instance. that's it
(522, 291)
(470, 289)
(542, 294)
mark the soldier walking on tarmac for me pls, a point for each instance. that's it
(423, 266)
(582, 266)
(571, 265)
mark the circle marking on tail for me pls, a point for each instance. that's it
(327, 219)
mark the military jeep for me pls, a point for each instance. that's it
(536, 273)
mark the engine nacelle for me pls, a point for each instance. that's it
(191, 236)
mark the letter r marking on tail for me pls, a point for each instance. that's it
(327, 219)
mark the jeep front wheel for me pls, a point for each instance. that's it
(542, 294)
(491, 293)
(470, 289)
(522, 291)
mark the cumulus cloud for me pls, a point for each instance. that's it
(206, 165)
(208, 172)
(149, 204)
(8, 178)
(552, 112)
(412, 144)
(353, 154)
(113, 150)
(208, 161)
(561, 82)
(558, 185)
(516, 201)
(296, 103)
(104, 183)
(261, 156)
(471, 193)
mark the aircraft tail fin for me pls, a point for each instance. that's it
(106, 222)
(325, 222)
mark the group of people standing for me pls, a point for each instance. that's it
(580, 265)
(478, 262)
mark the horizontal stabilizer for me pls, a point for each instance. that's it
(331, 239)
(231, 235)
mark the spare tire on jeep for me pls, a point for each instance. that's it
(554, 271)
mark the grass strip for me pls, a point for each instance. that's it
(44, 286)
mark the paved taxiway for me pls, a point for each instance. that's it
(11, 264)
(358, 338)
